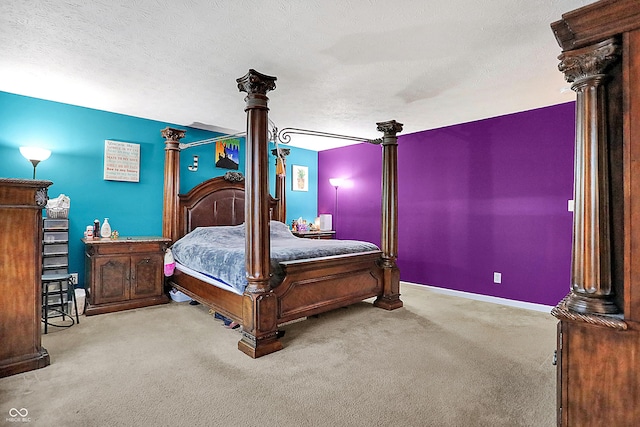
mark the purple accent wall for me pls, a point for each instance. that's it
(474, 198)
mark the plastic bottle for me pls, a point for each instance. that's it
(105, 231)
(96, 228)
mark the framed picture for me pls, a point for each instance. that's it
(300, 178)
(121, 161)
(227, 154)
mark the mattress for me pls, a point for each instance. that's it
(207, 279)
(219, 252)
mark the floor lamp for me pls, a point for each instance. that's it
(34, 155)
(336, 183)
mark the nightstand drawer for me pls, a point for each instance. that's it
(126, 247)
(315, 234)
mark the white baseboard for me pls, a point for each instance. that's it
(486, 298)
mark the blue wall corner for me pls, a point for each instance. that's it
(299, 203)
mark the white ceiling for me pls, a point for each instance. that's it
(342, 65)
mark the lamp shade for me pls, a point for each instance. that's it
(336, 182)
(35, 153)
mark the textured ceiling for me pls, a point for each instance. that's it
(341, 65)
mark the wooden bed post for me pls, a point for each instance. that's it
(390, 299)
(171, 182)
(259, 305)
(281, 183)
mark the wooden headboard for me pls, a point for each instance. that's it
(217, 201)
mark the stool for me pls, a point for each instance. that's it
(48, 280)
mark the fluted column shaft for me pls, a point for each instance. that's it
(591, 272)
(389, 238)
(172, 182)
(257, 180)
(259, 305)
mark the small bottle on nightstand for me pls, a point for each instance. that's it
(105, 231)
(96, 228)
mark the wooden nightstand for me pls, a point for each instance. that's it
(315, 234)
(124, 273)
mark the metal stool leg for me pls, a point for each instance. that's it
(46, 306)
(72, 287)
(62, 305)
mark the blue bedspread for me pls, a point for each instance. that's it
(219, 251)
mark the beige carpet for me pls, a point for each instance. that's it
(439, 361)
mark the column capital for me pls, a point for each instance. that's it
(588, 62)
(173, 134)
(256, 83)
(390, 128)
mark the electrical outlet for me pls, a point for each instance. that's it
(497, 277)
(74, 278)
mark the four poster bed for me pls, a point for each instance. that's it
(276, 289)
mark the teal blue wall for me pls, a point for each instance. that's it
(299, 203)
(76, 135)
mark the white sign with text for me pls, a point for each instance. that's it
(121, 161)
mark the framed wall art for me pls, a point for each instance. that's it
(300, 178)
(227, 154)
(121, 161)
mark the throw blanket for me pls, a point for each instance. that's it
(218, 252)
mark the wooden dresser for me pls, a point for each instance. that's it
(599, 330)
(124, 273)
(21, 203)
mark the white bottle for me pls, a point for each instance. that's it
(105, 231)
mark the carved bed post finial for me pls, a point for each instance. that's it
(259, 309)
(170, 208)
(591, 264)
(255, 83)
(281, 182)
(390, 299)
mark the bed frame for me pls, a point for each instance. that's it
(310, 286)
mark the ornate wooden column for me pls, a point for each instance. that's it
(259, 303)
(390, 299)
(281, 182)
(171, 181)
(591, 274)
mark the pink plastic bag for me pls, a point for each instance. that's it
(169, 263)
